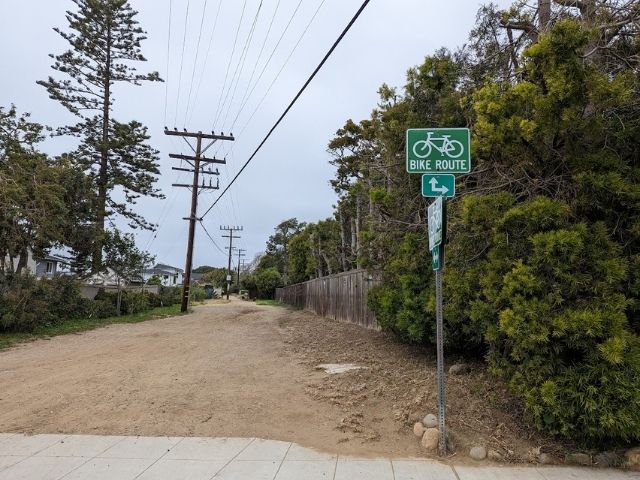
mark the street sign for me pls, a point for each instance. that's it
(438, 185)
(228, 278)
(436, 263)
(438, 150)
(434, 219)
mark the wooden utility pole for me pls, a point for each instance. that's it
(231, 236)
(240, 255)
(197, 164)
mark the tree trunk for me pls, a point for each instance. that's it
(343, 257)
(103, 175)
(22, 261)
(544, 15)
(119, 301)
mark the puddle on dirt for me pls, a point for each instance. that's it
(333, 368)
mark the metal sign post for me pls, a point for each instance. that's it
(438, 223)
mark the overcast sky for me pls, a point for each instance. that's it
(290, 176)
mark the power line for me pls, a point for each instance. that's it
(195, 62)
(255, 66)
(211, 238)
(243, 59)
(233, 50)
(295, 99)
(206, 59)
(264, 67)
(240, 65)
(166, 82)
(184, 42)
(275, 79)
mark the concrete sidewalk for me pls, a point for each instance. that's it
(88, 457)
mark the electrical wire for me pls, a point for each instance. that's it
(255, 66)
(292, 103)
(233, 50)
(264, 67)
(240, 65)
(195, 62)
(275, 79)
(211, 238)
(206, 59)
(184, 42)
(166, 82)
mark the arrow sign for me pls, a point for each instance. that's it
(438, 185)
(434, 186)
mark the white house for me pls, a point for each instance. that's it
(168, 275)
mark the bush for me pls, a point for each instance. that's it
(267, 281)
(133, 302)
(197, 293)
(169, 296)
(544, 299)
(27, 303)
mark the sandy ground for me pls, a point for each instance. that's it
(247, 371)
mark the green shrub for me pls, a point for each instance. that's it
(543, 297)
(267, 281)
(197, 293)
(133, 302)
(27, 303)
(553, 311)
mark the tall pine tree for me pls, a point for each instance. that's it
(105, 39)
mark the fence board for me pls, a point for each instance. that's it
(340, 297)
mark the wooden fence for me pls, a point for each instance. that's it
(341, 297)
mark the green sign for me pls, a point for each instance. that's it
(438, 185)
(438, 150)
(434, 219)
(436, 263)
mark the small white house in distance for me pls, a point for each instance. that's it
(168, 275)
(49, 266)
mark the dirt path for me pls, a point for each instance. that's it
(222, 371)
(246, 371)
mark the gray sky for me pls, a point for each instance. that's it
(290, 176)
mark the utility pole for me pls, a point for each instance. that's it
(231, 236)
(240, 254)
(197, 164)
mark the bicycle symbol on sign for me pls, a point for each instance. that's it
(443, 144)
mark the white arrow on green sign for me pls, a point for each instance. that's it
(438, 185)
(438, 150)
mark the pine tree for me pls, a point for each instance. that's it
(105, 38)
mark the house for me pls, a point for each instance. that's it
(49, 266)
(168, 275)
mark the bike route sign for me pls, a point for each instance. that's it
(438, 150)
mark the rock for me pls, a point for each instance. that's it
(633, 458)
(578, 459)
(418, 429)
(430, 439)
(607, 459)
(495, 456)
(430, 420)
(451, 441)
(478, 453)
(546, 459)
(459, 369)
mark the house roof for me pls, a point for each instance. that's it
(164, 268)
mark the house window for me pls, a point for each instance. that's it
(175, 278)
(49, 267)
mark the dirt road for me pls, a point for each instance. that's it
(246, 371)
